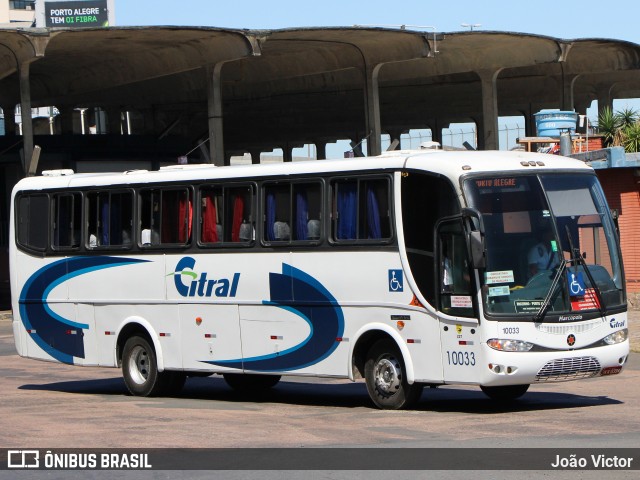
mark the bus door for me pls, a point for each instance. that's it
(457, 311)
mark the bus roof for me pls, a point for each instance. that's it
(452, 164)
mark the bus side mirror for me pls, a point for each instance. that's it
(477, 250)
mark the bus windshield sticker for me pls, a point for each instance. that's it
(527, 306)
(588, 302)
(461, 301)
(499, 291)
(504, 276)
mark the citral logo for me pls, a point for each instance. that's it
(200, 285)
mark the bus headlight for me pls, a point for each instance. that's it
(509, 345)
(616, 337)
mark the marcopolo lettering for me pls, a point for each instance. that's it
(202, 285)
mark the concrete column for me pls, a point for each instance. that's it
(529, 124)
(321, 150)
(287, 153)
(605, 98)
(255, 156)
(481, 140)
(214, 104)
(25, 111)
(372, 111)
(66, 120)
(436, 131)
(488, 80)
(114, 121)
(9, 112)
(568, 82)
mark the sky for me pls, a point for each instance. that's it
(555, 18)
(563, 19)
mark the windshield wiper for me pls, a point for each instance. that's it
(547, 300)
(575, 253)
(575, 259)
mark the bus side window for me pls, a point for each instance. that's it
(67, 218)
(293, 212)
(362, 210)
(277, 224)
(226, 215)
(33, 221)
(307, 211)
(109, 219)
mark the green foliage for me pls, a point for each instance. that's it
(620, 129)
(608, 126)
(626, 117)
(631, 140)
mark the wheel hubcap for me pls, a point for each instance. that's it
(139, 365)
(388, 375)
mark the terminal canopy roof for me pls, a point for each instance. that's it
(277, 88)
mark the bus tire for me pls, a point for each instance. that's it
(505, 393)
(386, 378)
(247, 382)
(140, 369)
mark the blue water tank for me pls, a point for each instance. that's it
(551, 123)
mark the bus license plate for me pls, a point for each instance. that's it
(611, 371)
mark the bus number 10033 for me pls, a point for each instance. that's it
(461, 358)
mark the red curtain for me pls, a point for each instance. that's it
(238, 212)
(209, 220)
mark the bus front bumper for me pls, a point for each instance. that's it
(515, 368)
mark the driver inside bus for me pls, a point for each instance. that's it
(542, 256)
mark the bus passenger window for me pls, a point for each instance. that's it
(109, 219)
(33, 221)
(226, 215)
(277, 211)
(165, 217)
(307, 211)
(293, 212)
(67, 220)
(362, 210)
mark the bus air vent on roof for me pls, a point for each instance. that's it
(57, 173)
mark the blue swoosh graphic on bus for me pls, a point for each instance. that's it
(54, 333)
(299, 293)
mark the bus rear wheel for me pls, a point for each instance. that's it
(386, 378)
(140, 370)
(505, 393)
(247, 382)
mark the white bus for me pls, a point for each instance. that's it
(496, 269)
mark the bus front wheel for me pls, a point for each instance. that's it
(505, 393)
(386, 378)
(140, 370)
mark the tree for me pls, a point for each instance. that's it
(620, 129)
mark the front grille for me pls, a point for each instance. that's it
(565, 329)
(563, 369)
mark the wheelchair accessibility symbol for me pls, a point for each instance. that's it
(395, 281)
(576, 284)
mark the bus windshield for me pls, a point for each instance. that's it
(536, 225)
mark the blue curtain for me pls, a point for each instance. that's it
(104, 218)
(347, 211)
(271, 216)
(302, 212)
(116, 219)
(373, 215)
